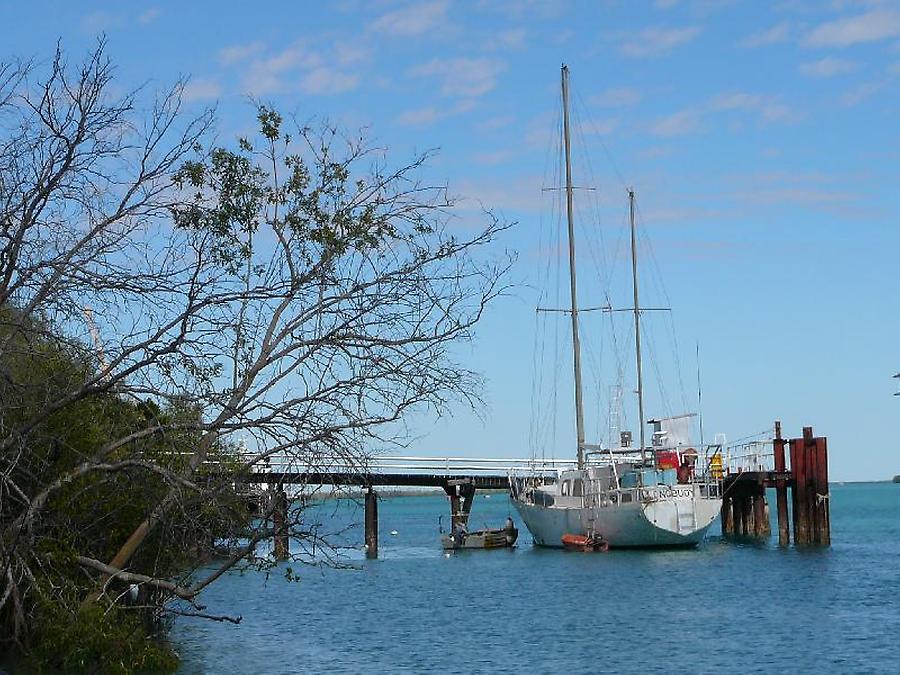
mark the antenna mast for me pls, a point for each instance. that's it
(576, 345)
(637, 325)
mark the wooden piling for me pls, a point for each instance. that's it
(761, 527)
(726, 516)
(280, 524)
(823, 495)
(461, 494)
(747, 513)
(809, 470)
(371, 523)
(737, 519)
(812, 488)
(784, 537)
(799, 499)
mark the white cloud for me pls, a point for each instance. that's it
(296, 68)
(656, 41)
(349, 53)
(149, 15)
(860, 93)
(514, 38)
(98, 22)
(693, 119)
(499, 122)
(412, 20)
(774, 35)
(496, 157)
(430, 114)
(677, 124)
(324, 80)
(419, 116)
(617, 97)
(827, 67)
(462, 76)
(237, 53)
(201, 89)
(767, 107)
(873, 26)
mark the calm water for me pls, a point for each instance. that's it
(724, 607)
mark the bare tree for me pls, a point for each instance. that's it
(295, 292)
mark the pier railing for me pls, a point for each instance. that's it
(408, 464)
(757, 455)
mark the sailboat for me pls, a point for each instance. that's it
(664, 495)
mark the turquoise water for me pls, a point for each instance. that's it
(722, 608)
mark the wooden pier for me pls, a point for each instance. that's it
(745, 509)
(459, 477)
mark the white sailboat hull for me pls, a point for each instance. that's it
(669, 522)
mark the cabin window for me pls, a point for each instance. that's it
(577, 487)
(564, 490)
(626, 497)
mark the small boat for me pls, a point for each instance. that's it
(587, 543)
(460, 537)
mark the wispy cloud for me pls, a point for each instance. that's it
(462, 76)
(237, 53)
(775, 34)
(677, 124)
(860, 93)
(431, 114)
(201, 89)
(873, 26)
(617, 97)
(827, 67)
(412, 19)
(326, 80)
(149, 15)
(98, 22)
(419, 116)
(298, 68)
(767, 107)
(694, 119)
(492, 158)
(514, 38)
(656, 41)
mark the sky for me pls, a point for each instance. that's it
(761, 138)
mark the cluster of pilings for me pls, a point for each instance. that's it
(809, 466)
(745, 509)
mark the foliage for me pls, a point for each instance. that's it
(96, 639)
(175, 315)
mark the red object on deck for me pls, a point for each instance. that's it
(667, 459)
(585, 543)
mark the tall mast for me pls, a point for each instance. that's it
(637, 324)
(576, 345)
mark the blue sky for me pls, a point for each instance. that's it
(761, 139)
